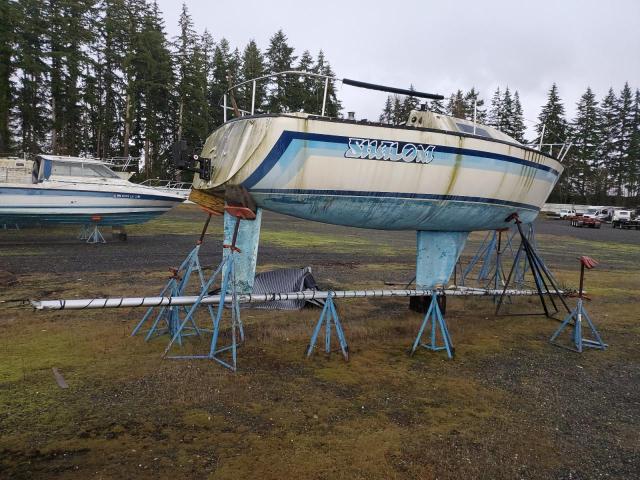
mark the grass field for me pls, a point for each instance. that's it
(509, 406)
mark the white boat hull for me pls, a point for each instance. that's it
(52, 202)
(380, 177)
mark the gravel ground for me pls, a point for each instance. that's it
(35, 250)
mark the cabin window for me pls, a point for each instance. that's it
(73, 169)
(464, 128)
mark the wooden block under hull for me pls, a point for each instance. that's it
(211, 202)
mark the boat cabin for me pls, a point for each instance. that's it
(437, 121)
(51, 167)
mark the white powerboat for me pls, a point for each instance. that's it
(73, 190)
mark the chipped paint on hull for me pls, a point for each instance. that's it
(393, 213)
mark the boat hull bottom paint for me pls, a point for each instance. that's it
(385, 213)
(438, 253)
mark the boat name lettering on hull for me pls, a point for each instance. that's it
(126, 195)
(388, 150)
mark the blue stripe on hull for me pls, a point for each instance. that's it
(286, 138)
(107, 219)
(392, 213)
(43, 191)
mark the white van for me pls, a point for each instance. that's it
(567, 212)
(622, 215)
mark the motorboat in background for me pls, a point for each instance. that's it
(72, 190)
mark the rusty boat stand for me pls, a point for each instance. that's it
(226, 268)
(576, 317)
(168, 318)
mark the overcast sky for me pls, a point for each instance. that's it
(440, 46)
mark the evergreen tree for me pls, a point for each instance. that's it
(584, 153)
(495, 115)
(33, 91)
(625, 122)
(153, 117)
(303, 89)
(8, 39)
(517, 120)
(234, 77)
(473, 101)
(409, 103)
(207, 47)
(608, 130)
(279, 58)
(456, 107)
(253, 67)
(136, 10)
(219, 83)
(507, 113)
(397, 112)
(68, 31)
(192, 84)
(387, 111)
(634, 152)
(107, 79)
(436, 106)
(552, 121)
(333, 105)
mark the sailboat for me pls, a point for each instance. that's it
(436, 174)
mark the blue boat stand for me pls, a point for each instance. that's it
(579, 342)
(91, 233)
(168, 319)
(577, 315)
(328, 316)
(438, 324)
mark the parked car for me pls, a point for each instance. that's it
(625, 219)
(598, 213)
(567, 212)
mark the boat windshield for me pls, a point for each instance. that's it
(81, 169)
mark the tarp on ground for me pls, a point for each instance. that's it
(285, 280)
